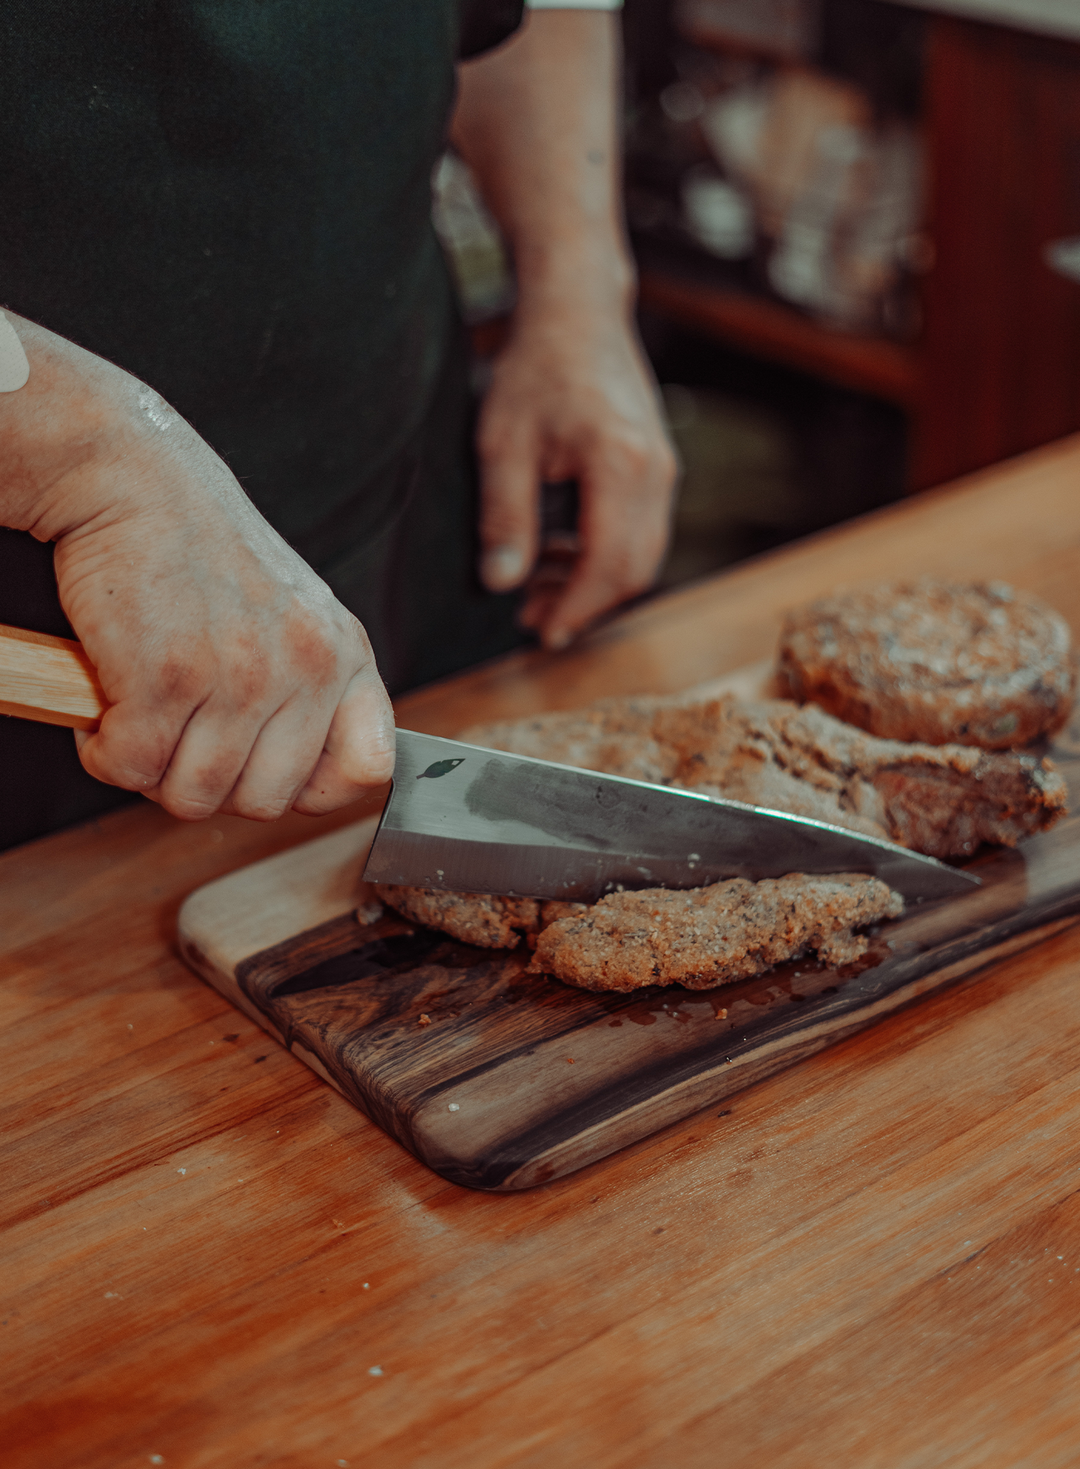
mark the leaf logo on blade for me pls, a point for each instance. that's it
(441, 767)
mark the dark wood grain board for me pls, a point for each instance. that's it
(515, 1079)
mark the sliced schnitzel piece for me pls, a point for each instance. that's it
(473, 918)
(483, 919)
(710, 936)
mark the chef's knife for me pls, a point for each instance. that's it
(464, 819)
(461, 818)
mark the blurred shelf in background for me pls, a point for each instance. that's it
(766, 328)
(857, 230)
(976, 333)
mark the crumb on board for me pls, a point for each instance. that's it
(369, 911)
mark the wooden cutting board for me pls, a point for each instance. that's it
(500, 1080)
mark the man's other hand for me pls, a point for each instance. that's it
(571, 398)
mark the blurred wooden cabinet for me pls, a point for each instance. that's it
(1000, 352)
(996, 367)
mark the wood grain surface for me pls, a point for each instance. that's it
(871, 1260)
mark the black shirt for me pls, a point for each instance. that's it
(231, 200)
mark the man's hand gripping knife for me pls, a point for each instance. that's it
(236, 681)
(572, 396)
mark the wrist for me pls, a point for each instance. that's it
(594, 279)
(65, 434)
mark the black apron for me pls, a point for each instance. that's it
(231, 200)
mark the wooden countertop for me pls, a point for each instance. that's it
(869, 1261)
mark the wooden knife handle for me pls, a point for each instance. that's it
(48, 679)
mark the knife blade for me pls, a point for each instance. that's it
(461, 818)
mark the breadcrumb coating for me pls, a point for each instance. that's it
(710, 936)
(483, 919)
(978, 664)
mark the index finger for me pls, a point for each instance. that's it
(623, 526)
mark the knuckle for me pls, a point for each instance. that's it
(126, 758)
(195, 793)
(356, 632)
(649, 454)
(314, 650)
(216, 775)
(626, 573)
(180, 680)
(267, 796)
(636, 455)
(245, 680)
(362, 661)
(624, 464)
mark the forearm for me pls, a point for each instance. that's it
(537, 121)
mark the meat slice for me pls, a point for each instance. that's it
(483, 919)
(709, 936)
(614, 735)
(944, 800)
(473, 918)
(727, 748)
